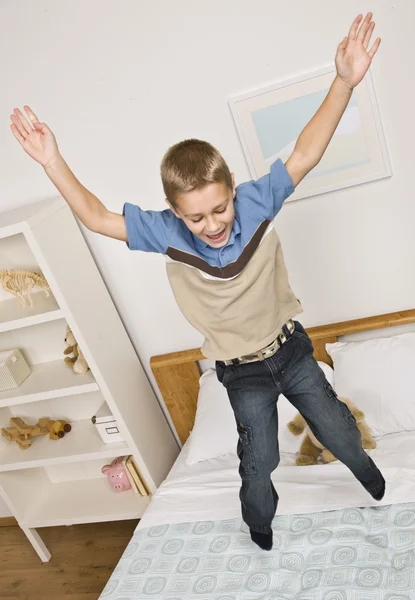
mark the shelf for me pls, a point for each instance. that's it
(69, 503)
(14, 316)
(82, 443)
(85, 502)
(49, 380)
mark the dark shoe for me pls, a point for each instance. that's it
(263, 540)
(380, 493)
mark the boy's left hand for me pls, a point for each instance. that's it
(352, 57)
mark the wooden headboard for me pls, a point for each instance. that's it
(177, 374)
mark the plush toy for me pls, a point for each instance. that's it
(23, 434)
(77, 362)
(311, 448)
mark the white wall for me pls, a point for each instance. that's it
(118, 82)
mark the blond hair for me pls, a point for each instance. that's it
(191, 165)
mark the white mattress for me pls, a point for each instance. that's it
(210, 490)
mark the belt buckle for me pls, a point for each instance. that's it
(282, 338)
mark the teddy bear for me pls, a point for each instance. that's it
(311, 448)
(77, 362)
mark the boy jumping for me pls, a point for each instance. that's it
(226, 268)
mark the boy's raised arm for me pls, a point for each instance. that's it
(352, 62)
(39, 142)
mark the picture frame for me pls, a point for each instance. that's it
(270, 119)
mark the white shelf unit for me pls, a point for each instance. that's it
(60, 482)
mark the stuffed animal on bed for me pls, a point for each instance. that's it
(311, 448)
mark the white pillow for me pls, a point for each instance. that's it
(214, 432)
(378, 375)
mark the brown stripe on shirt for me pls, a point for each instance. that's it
(232, 269)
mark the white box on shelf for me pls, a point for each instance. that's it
(13, 369)
(106, 425)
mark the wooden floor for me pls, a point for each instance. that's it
(83, 558)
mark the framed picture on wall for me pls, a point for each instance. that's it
(269, 121)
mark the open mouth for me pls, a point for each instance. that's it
(219, 237)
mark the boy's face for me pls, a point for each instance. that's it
(208, 212)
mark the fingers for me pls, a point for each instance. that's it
(18, 126)
(25, 125)
(16, 134)
(368, 35)
(31, 114)
(364, 32)
(364, 27)
(374, 48)
(354, 27)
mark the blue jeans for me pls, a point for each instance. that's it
(253, 390)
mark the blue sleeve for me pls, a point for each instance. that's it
(269, 191)
(148, 230)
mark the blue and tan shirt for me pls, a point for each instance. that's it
(237, 296)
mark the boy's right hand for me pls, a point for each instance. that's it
(35, 138)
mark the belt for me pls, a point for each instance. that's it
(286, 332)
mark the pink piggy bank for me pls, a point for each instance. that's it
(117, 475)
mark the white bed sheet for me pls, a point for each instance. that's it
(210, 490)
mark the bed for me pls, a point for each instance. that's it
(332, 541)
